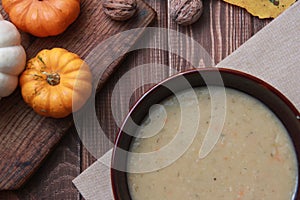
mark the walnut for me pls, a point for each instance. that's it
(186, 12)
(120, 10)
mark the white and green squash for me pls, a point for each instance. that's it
(12, 57)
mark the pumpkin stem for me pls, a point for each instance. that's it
(53, 78)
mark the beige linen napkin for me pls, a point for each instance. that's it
(273, 55)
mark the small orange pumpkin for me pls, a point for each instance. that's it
(56, 83)
(42, 18)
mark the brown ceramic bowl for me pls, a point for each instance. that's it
(272, 98)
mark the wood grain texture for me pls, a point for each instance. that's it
(221, 29)
(26, 138)
(133, 60)
(54, 179)
(151, 58)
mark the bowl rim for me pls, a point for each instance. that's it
(235, 72)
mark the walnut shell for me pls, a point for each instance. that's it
(120, 10)
(186, 12)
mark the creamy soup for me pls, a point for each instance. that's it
(252, 159)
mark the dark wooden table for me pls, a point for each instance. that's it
(221, 29)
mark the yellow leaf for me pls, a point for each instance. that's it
(263, 8)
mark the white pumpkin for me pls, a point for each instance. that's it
(12, 57)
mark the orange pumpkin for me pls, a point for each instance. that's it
(42, 18)
(56, 83)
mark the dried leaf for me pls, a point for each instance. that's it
(263, 8)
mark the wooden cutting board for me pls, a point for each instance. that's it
(27, 138)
